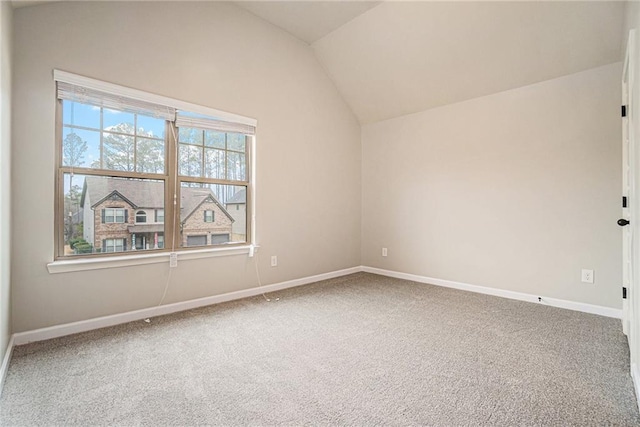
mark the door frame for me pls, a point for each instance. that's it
(631, 258)
(628, 186)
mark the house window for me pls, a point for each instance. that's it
(141, 216)
(114, 215)
(114, 245)
(118, 154)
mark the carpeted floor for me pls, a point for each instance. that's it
(357, 350)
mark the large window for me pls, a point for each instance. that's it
(123, 162)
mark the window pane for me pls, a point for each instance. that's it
(223, 205)
(235, 141)
(190, 136)
(214, 139)
(80, 147)
(150, 155)
(214, 163)
(190, 160)
(236, 166)
(104, 220)
(75, 113)
(150, 126)
(118, 121)
(118, 152)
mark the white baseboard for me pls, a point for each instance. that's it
(5, 363)
(571, 305)
(635, 375)
(116, 319)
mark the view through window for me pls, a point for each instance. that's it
(117, 178)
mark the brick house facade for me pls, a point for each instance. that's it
(125, 214)
(197, 227)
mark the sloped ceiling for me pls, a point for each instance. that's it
(308, 20)
(399, 57)
(403, 57)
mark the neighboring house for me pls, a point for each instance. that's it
(203, 219)
(237, 207)
(125, 214)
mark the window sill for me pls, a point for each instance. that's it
(142, 259)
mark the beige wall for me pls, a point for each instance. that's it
(631, 20)
(519, 190)
(5, 172)
(209, 53)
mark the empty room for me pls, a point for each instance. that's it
(319, 213)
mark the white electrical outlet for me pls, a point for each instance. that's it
(274, 260)
(587, 276)
(384, 251)
(173, 259)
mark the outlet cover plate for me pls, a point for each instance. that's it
(587, 276)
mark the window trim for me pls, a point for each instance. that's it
(156, 257)
(111, 88)
(99, 260)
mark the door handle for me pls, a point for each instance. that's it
(622, 222)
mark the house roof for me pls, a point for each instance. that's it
(193, 197)
(145, 194)
(239, 198)
(140, 194)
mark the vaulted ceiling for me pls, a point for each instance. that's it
(394, 58)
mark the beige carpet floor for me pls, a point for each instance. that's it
(358, 350)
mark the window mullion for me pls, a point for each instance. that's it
(101, 138)
(172, 193)
(135, 142)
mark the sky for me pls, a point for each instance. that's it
(74, 113)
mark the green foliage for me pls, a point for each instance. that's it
(72, 206)
(80, 246)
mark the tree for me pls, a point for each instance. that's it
(72, 221)
(73, 149)
(190, 160)
(121, 152)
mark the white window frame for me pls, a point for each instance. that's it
(112, 213)
(60, 265)
(113, 245)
